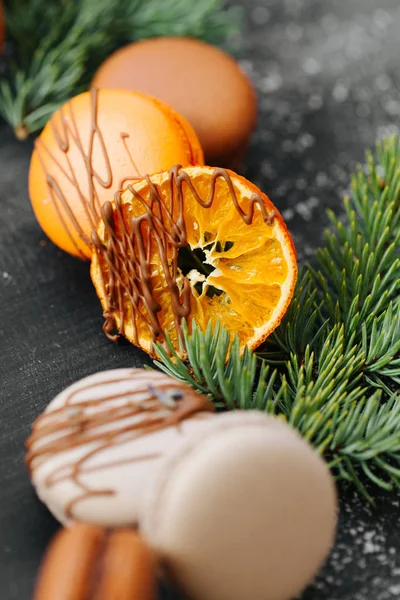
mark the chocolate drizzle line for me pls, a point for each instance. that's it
(129, 244)
(122, 183)
(79, 423)
(67, 136)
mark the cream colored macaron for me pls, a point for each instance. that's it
(243, 509)
(101, 442)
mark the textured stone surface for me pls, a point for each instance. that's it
(327, 77)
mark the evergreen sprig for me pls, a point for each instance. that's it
(57, 46)
(332, 368)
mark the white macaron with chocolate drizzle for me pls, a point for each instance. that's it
(234, 506)
(101, 441)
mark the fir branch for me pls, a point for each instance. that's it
(59, 45)
(332, 368)
(215, 367)
(382, 348)
(359, 272)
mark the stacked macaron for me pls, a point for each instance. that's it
(219, 500)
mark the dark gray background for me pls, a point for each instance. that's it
(327, 75)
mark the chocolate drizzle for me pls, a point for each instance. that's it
(131, 244)
(123, 182)
(105, 420)
(68, 137)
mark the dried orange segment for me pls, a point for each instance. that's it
(197, 243)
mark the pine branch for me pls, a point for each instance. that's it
(359, 269)
(382, 348)
(332, 368)
(216, 368)
(59, 45)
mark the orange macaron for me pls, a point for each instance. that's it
(86, 562)
(94, 145)
(200, 81)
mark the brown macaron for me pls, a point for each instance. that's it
(87, 562)
(199, 81)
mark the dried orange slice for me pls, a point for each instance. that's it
(200, 243)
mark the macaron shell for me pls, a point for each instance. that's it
(141, 136)
(194, 150)
(99, 475)
(65, 572)
(89, 563)
(133, 467)
(249, 512)
(200, 81)
(128, 571)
